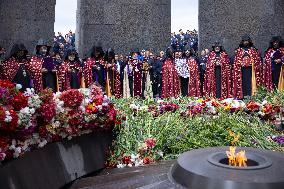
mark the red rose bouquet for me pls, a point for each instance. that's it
(10, 122)
(19, 101)
(72, 98)
(252, 106)
(47, 112)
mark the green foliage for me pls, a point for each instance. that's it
(176, 134)
(274, 96)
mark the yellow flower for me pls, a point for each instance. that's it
(51, 129)
(228, 107)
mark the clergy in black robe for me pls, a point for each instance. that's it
(70, 72)
(217, 82)
(157, 76)
(246, 69)
(49, 77)
(94, 68)
(273, 77)
(16, 68)
(110, 72)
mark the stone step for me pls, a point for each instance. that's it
(146, 177)
(130, 182)
(159, 185)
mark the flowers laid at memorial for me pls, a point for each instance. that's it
(29, 120)
(146, 131)
(151, 130)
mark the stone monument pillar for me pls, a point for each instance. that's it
(26, 21)
(228, 20)
(123, 24)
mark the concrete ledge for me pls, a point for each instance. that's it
(57, 164)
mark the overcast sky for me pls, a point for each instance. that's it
(184, 15)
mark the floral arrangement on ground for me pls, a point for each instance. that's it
(29, 120)
(152, 130)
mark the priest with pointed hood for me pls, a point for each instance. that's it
(49, 71)
(17, 68)
(194, 84)
(273, 72)
(247, 69)
(95, 67)
(113, 84)
(42, 69)
(217, 76)
(70, 73)
(170, 77)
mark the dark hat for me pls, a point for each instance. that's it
(187, 48)
(110, 54)
(276, 38)
(96, 48)
(178, 49)
(216, 44)
(246, 37)
(71, 51)
(16, 48)
(41, 43)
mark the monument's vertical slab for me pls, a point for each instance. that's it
(226, 21)
(26, 21)
(123, 24)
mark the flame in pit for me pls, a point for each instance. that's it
(238, 159)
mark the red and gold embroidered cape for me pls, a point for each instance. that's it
(117, 83)
(194, 85)
(35, 69)
(10, 68)
(114, 83)
(137, 77)
(88, 70)
(64, 78)
(209, 86)
(170, 80)
(255, 62)
(267, 70)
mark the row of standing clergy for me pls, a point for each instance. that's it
(223, 79)
(177, 74)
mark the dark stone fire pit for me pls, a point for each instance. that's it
(208, 168)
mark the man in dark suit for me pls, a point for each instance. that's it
(156, 71)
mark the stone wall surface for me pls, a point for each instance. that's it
(57, 164)
(26, 21)
(128, 24)
(123, 24)
(227, 20)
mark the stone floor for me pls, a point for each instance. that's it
(146, 177)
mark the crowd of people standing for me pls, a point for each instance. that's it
(181, 40)
(173, 73)
(62, 43)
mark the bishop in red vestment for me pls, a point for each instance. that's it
(170, 77)
(273, 72)
(247, 69)
(217, 83)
